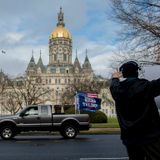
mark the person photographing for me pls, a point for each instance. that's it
(137, 112)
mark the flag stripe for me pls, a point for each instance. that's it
(92, 95)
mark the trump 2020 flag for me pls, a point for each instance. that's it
(88, 101)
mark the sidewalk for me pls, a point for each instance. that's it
(102, 131)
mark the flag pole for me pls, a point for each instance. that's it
(75, 102)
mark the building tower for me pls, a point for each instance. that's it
(31, 68)
(60, 44)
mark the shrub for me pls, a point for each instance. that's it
(70, 110)
(95, 117)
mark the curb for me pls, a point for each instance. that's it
(101, 131)
(90, 131)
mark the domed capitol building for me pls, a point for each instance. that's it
(56, 82)
(60, 71)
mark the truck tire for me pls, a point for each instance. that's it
(7, 132)
(69, 131)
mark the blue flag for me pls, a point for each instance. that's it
(88, 101)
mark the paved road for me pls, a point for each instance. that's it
(57, 148)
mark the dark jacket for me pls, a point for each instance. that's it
(137, 112)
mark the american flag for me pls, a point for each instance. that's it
(87, 101)
(92, 95)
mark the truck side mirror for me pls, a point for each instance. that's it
(22, 114)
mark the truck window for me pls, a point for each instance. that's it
(44, 110)
(31, 111)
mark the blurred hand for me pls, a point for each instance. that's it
(116, 74)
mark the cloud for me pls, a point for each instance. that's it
(99, 54)
(26, 26)
(11, 39)
(15, 61)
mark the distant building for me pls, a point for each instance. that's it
(107, 104)
(60, 71)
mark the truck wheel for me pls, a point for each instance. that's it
(7, 132)
(69, 131)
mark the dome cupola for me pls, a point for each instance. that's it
(60, 44)
(60, 31)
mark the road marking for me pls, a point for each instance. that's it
(112, 158)
(23, 141)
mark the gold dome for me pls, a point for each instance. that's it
(60, 32)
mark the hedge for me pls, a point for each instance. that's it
(95, 117)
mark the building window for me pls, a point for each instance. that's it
(50, 81)
(46, 81)
(65, 57)
(38, 80)
(55, 57)
(59, 81)
(55, 81)
(69, 81)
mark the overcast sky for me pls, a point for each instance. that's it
(27, 25)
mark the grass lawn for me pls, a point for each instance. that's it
(112, 123)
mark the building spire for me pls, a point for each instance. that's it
(87, 68)
(76, 53)
(31, 66)
(40, 63)
(32, 52)
(86, 59)
(86, 51)
(40, 53)
(32, 58)
(76, 63)
(61, 18)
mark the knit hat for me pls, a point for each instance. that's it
(129, 69)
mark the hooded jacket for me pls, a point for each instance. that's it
(136, 109)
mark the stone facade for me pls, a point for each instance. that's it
(107, 104)
(60, 71)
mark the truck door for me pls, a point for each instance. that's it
(46, 117)
(31, 119)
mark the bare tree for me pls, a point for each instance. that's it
(141, 21)
(4, 81)
(32, 92)
(24, 92)
(84, 85)
(10, 104)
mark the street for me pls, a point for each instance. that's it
(54, 147)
